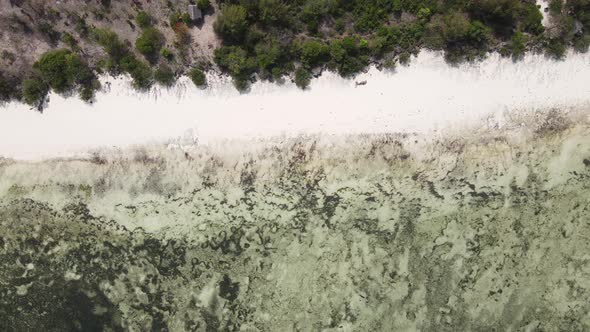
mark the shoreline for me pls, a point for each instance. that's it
(425, 97)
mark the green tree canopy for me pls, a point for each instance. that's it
(198, 77)
(232, 24)
(143, 19)
(150, 42)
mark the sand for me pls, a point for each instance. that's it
(426, 97)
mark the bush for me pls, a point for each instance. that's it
(140, 72)
(203, 4)
(237, 63)
(232, 24)
(62, 70)
(166, 53)
(517, 45)
(458, 37)
(198, 77)
(34, 91)
(532, 19)
(348, 55)
(314, 53)
(143, 20)
(6, 89)
(268, 54)
(555, 48)
(555, 7)
(69, 40)
(111, 43)
(183, 36)
(581, 43)
(273, 12)
(302, 78)
(500, 14)
(150, 42)
(178, 17)
(164, 75)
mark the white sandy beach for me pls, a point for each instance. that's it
(426, 96)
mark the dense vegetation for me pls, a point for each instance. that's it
(198, 77)
(63, 71)
(274, 39)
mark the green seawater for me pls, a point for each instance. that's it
(486, 230)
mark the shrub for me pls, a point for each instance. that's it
(111, 43)
(581, 43)
(49, 32)
(273, 12)
(6, 89)
(314, 53)
(53, 67)
(69, 40)
(302, 78)
(143, 20)
(183, 36)
(458, 37)
(198, 77)
(235, 60)
(140, 72)
(34, 91)
(268, 54)
(166, 53)
(347, 55)
(237, 63)
(232, 24)
(149, 42)
(555, 7)
(203, 4)
(178, 17)
(532, 19)
(500, 14)
(164, 75)
(517, 45)
(340, 25)
(555, 48)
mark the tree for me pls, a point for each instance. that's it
(143, 20)
(517, 45)
(268, 54)
(53, 68)
(150, 42)
(34, 91)
(232, 24)
(111, 43)
(532, 19)
(6, 89)
(302, 78)
(164, 75)
(314, 53)
(63, 70)
(348, 55)
(273, 12)
(203, 4)
(555, 7)
(237, 63)
(500, 14)
(140, 72)
(166, 53)
(198, 77)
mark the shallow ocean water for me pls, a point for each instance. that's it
(483, 229)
